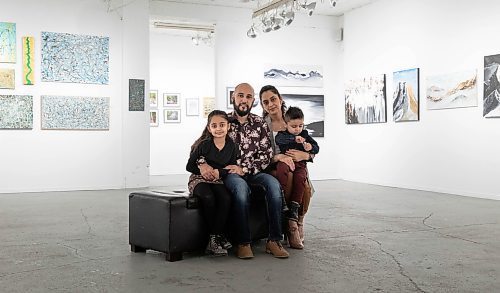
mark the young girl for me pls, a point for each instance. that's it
(210, 153)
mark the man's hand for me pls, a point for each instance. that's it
(234, 169)
(208, 173)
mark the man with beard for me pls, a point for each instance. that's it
(250, 132)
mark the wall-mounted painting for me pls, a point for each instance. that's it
(452, 90)
(153, 118)
(153, 98)
(313, 107)
(75, 58)
(28, 60)
(208, 105)
(365, 100)
(136, 88)
(7, 78)
(405, 105)
(171, 100)
(491, 96)
(75, 113)
(229, 93)
(192, 107)
(16, 112)
(294, 75)
(172, 115)
(7, 42)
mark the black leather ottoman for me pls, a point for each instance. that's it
(173, 223)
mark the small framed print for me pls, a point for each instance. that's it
(229, 94)
(172, 115)
(153, 98)
(171, 100)
(153, 118)
(192, 107)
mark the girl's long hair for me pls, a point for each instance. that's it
(274, 90)
(206, 134)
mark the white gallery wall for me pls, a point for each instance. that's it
(452, 150)
(44, 160)
(235, 58)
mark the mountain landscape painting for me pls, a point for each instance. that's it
(406, 95)
(452, 90)
(491, 97)
(365, 100)
(294, 75)
(313, 107)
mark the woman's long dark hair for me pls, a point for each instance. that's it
(274, 90)
(206, 134)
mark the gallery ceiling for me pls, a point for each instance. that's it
(323, 7)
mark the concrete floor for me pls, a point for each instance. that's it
(360, 238)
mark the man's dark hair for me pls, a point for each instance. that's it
(293, 113)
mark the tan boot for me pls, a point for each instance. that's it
(300, 223)
(276, 249)
(244, 251)
(293, 235)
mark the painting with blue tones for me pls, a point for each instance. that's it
(7, 42)
(16, 112)
(75, 113)
(75, 58)
(405, 105)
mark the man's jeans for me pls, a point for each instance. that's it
(240, 190)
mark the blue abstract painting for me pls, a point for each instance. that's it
(7, 42)
(16, 112)
(75, 113)
(75, 58)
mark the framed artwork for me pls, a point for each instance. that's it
(28, 60)
(153, 98)
(192, 107)
(365, 100)
(16, 112)
(7, 78)
(171, 100)
(136, 88)
(208, 105)
(406, 95)
(153, 118)
(7, 42)
(452, 90)
(491, 88)
(313, 106)
(294, 75)
(229, 93)
(172, 115)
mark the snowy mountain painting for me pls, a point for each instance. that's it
(452, 90)
(491, 97)
(406, 95)
(365, 100)
(294, 75)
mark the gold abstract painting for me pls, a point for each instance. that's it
(7, 78)
(28, 60)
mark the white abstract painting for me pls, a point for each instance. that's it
(75, 58)
(16, 112)
(365, 100)
(294, 75)
(75, 113)
(452, 90)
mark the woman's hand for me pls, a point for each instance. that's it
(286, 159)
(297, 155)
(234, 169)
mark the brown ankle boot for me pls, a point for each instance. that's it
(300, 223)
(276, 249)
(293, 235)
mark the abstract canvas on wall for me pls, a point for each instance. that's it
(7, 42)
(75, 113)
(208, 105)
(75, 58)
(365, 100)
(28, 60)
(452, 90)
(491, 95)
(7, 78)
(294, 75)
(405, 106)
(16, 112)
(313, 107)
(136, 89)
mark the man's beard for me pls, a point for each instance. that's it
(242, 113)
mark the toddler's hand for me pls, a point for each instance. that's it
(307, 146)
(299, 139)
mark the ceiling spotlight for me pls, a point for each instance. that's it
(251, 33)
(277, 22)
(333, 3)
(196, 40)
(310, 7)
(288, 16)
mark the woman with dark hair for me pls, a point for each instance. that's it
(217, 150)
(274, 109)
